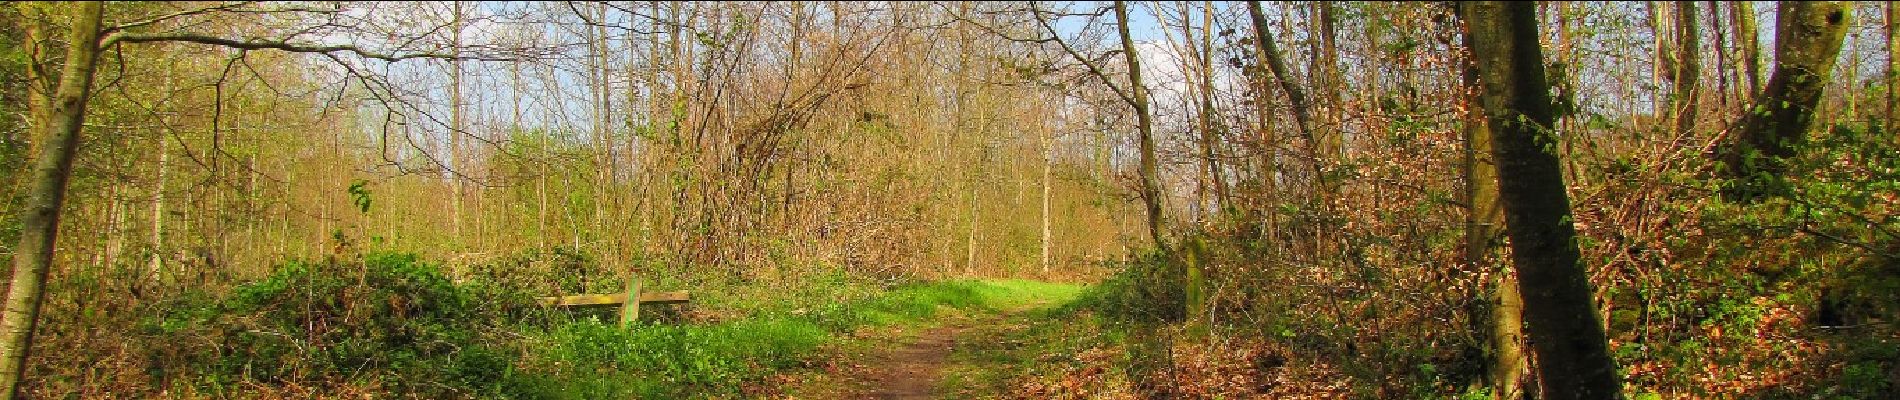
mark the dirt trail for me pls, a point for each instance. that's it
(895, 362)
(912, 371)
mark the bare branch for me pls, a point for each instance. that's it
(253, 44)
(180, 14)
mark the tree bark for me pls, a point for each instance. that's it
(1144, 125)
(972, 173)
(455, 128)
(1276, 63)
(1564, 328)
(33, 257)
(157, 264)
(1268, 53)
(1325, 146)
(1689, 71)
(1048, 161)
(1664, 69)
(1893, 64)
(1807, 40)
(1326, 75)
(1722, 68)
(1742, 15)
(1504, 330)
(1210, 131)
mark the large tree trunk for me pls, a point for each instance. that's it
(1504, 329)
(1689, 67)
(1564, 329)
(1144, 125)
(1807, 39)
(1664, 69)
(1742, 17)
(33, 257)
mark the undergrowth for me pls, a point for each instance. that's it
(396, 325)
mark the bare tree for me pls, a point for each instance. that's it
(53, 168)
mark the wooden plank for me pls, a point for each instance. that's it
(585, 300)
(665, 297)
(615, 299)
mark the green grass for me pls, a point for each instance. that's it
(589, 358)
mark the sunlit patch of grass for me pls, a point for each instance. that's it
(588, 358)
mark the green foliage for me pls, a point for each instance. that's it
(588, 358)
(359, 195)
(388, 321)
(557, 271)
(1796, 251)
(1148, 289)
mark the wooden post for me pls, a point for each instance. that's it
(630, 311)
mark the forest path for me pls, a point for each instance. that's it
(899, 361)
(913, 370)
(919, 367)
(923, 342)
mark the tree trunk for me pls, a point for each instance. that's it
(1504, 330)
(1564, 329)
(1722, 69)
(1807, 39)
(1689, 70)
(455, 127)
(605, 168)
(971, 173)
(1144, 125)
(1893, 64)
(33, 257)
(1210, 133)
(1048, 159)
(1264, 43)
(1330, 85)
(1269, 53)
(1742, 15)
(1664, 69)
(157, 264)
(1324, 146)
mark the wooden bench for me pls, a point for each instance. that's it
(629, 310)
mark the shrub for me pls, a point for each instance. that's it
(1147, 289)
(388, 321)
